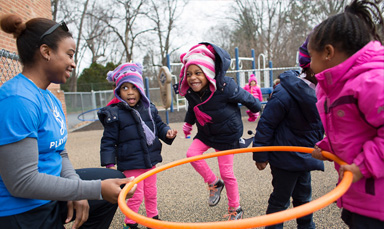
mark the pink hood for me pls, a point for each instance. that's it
(252, 77)
(351, 106)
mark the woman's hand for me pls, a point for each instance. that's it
(82, 212)
(357, 175)
(110, 189)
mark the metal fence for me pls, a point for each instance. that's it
(10, 65)
(83, 106)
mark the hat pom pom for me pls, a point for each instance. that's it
(210, 47)
(182, 57)
(110, 76)
(139, 68)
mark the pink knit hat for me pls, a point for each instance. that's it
(204, 57)
(252, 77)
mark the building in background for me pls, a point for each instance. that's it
(27, 9)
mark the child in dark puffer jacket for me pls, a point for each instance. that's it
(213, 105)
(132, 129)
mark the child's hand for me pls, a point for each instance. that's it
(316, 153)
(357, 175)
(171, 134)
(187, 128)
(261, 165)
(110, 166)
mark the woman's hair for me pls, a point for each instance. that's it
(28, 35)
(360, 23)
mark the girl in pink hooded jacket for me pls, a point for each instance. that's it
(255, 90)
(347, 57)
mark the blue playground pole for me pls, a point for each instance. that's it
(253, 61)
(147, 87)
(270, 74)
(237, 65)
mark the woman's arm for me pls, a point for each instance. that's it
(67, 170)
(19, 171)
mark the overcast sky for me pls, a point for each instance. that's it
(200, 15)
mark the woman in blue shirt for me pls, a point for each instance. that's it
(38, 186)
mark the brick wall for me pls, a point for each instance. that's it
(27, 9)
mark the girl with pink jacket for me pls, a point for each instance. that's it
(347, 57)
(255, 90)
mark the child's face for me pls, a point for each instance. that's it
(253, 83)
(130, 94)
(321, 60)
(317, 61)
(196, 78)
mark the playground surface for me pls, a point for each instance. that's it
(182, 194)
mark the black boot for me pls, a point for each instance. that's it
(155, 217)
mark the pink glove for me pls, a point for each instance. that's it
(187, 128)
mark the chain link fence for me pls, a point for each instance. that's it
(83, 106)
(10, 65)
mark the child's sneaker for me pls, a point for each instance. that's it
(234, 214)
(215, 192)
(131, 226)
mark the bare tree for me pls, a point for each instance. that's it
(54, 6)
(98, 36)
(324, 9)
(75, 16)
(277, 28)
(164, 16)
(125, 21)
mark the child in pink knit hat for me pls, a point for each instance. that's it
(213, 106)
(255, 90)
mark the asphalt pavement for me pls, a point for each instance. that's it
(182, 194)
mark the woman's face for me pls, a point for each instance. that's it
(196, 78)
(61, 61)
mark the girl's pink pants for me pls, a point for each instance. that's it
(146, 189)
(225, 167)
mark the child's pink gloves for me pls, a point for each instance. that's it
(187, 128)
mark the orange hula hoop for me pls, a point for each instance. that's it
(257, 221)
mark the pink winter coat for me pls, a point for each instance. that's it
(351, 106)
(255, 90)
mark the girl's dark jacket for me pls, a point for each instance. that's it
(226, 127)
(290, 118)
(123, 142)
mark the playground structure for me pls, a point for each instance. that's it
(86, 104)
(263, 74)
(259, 221)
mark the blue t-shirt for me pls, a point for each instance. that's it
(30, 112)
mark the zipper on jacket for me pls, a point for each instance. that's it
(327, 110)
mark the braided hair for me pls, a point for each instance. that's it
(360, 23)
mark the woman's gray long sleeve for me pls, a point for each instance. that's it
(19, 171)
